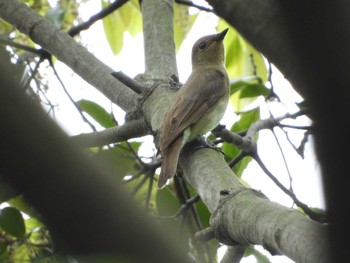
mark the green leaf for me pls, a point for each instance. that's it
(21, 204)
(242, 59)
(12, 222)
(131, 15)
(167, 204)
(258, 63)
(230, 150)
(114, 28)
(119, 158)
(125, 19)
(203, 213)
(245, 91)
(32, 223)
(97, 112)
(249, 87)
(183, 23)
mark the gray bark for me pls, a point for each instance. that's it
(247, 217)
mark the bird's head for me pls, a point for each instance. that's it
(209, 50)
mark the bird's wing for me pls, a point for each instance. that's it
(192, 101)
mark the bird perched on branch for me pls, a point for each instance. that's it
(199, 105)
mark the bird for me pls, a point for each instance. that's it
(198, 106)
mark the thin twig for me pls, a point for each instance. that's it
(308, 128)
(71, 99)
(132, 150)
(139, 185)
(284, 161)
(237, 159)
(20, 46)
(313, 215)
(150, 175)
(100, 15)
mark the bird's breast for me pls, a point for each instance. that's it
(210, 119)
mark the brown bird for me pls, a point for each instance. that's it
(199, 105)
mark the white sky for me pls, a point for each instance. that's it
(305, 173)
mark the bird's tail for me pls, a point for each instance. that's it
(170, 160)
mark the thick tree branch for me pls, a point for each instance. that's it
(251, 218)
(61, 45)
(160, 57)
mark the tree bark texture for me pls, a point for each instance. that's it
(247, 217)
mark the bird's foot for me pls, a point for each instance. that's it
(204, 142)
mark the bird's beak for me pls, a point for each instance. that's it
(221, 35)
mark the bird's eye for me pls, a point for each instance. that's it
(202, 45)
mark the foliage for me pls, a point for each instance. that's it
(23, 237)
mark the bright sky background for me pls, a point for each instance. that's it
(305, 173)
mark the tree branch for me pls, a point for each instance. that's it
(132, 129)
(20, 46)
(209, 174)
(100, 15)
(61, 45)
(160, 57)
(234, 254)
(136, 86)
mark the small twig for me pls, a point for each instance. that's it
(284, 161)
(237, 159)
(139, 185)
(272, 93)
(100, 15)
(248, 147)
(70, 98)
(313, 215)
(20, 46)
(132, 150)
(130, 82)
(301, 148)
(134, 177)
(150, 175)
(308, 128)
